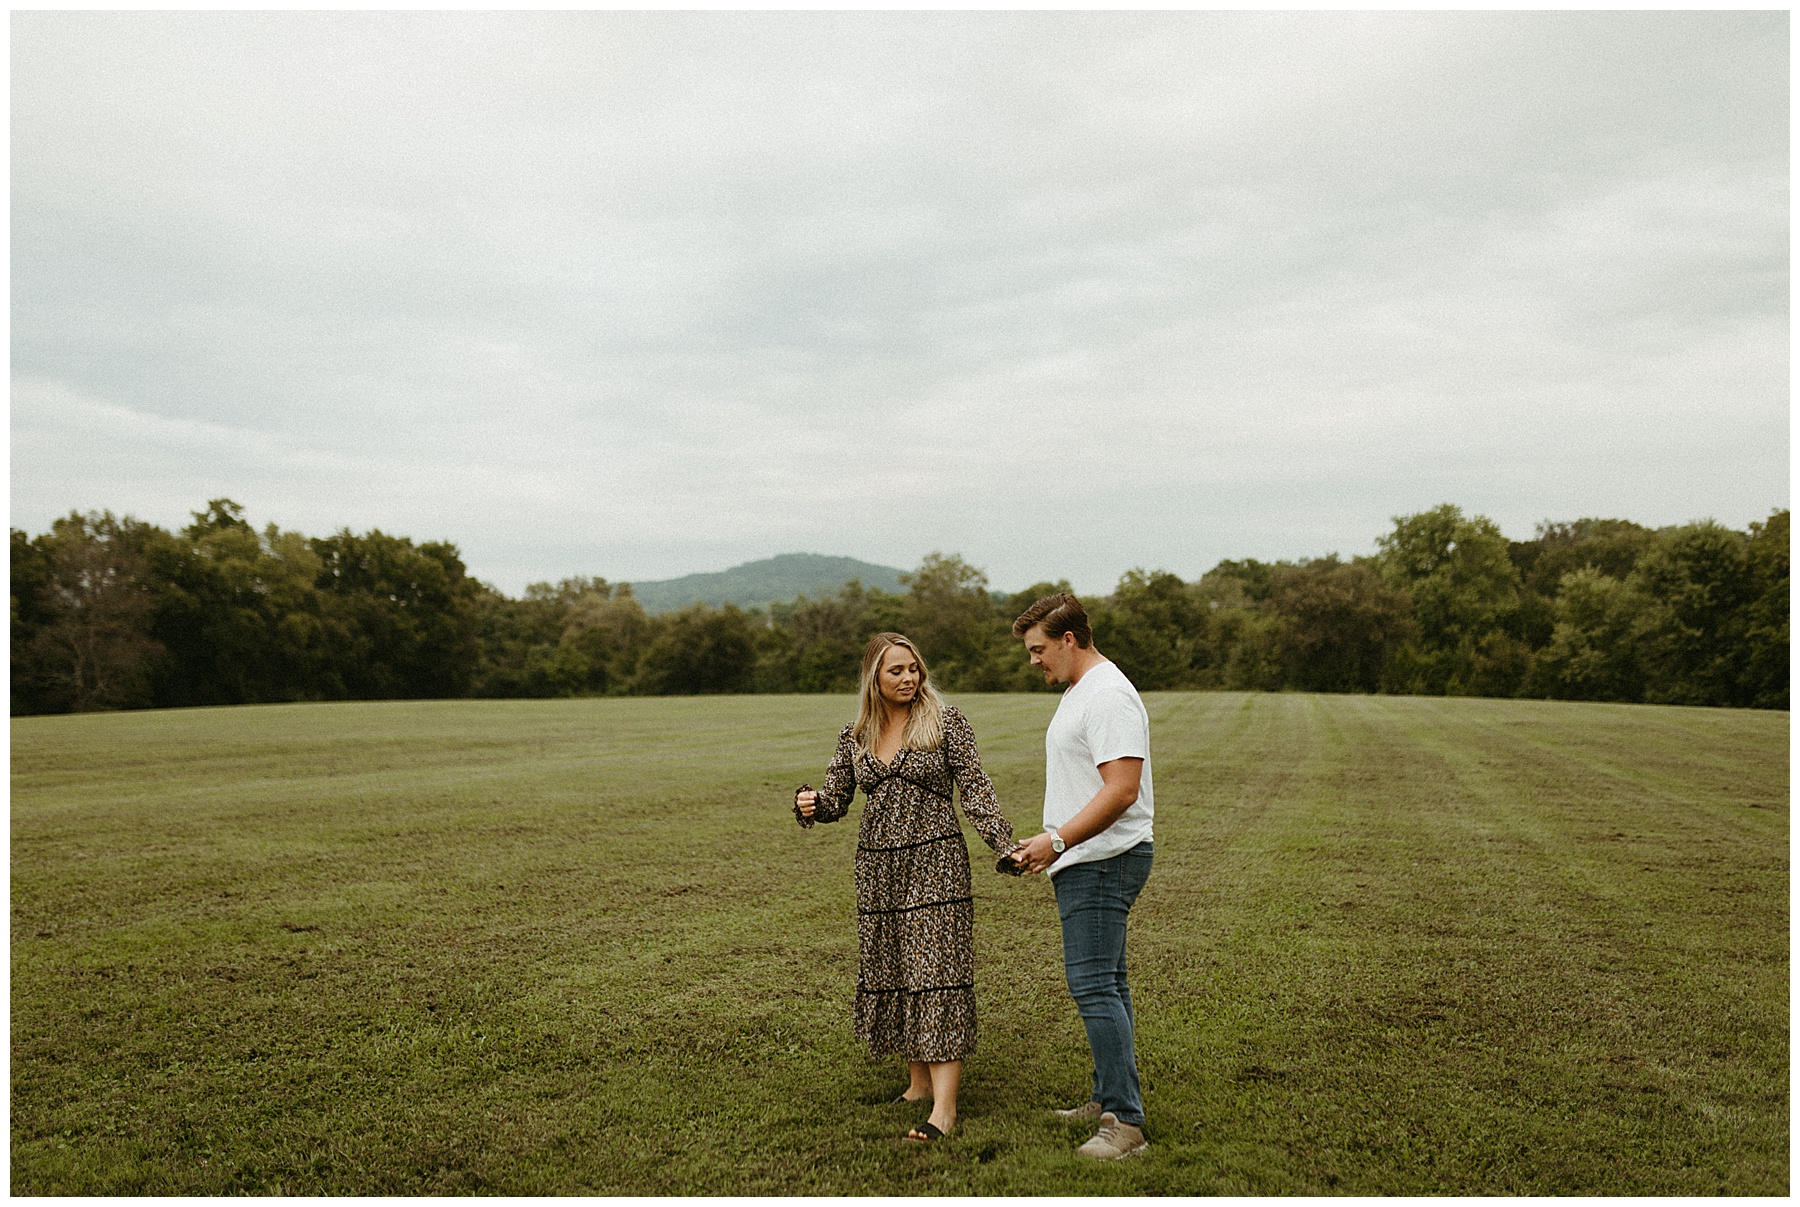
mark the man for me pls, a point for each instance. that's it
(1096, 847)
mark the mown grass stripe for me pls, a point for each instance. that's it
(1390, 946)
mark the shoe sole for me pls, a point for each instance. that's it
(1130, 1152)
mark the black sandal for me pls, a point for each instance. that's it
(927, 1133)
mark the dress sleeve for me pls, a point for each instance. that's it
(978, 801)
(840, 783)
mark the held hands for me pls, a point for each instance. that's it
(1034, 854)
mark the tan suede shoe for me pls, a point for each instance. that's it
(1087, 1112)
(1114, 1140)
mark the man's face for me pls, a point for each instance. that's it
(1055, 658)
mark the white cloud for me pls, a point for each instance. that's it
(642, 293)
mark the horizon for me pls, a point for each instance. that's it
(1080, 589)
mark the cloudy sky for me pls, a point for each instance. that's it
(641, 294)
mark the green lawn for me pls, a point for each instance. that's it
(1391, 945)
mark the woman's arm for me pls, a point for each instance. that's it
(833, 799)
(978, 800)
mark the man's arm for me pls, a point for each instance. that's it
(1119, 781)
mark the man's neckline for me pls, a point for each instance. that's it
(1075, 682)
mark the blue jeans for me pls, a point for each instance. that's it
(1094, 900)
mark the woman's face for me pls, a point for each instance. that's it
(899, 676)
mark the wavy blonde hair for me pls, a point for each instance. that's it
(925, 718)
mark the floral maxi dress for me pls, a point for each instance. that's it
(915, 915)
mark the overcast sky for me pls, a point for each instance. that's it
(642, 294)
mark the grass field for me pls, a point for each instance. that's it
(1390, 945)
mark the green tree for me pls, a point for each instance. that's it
(1464, 589)
(1594, 650)
(950, 614)
(1340, 624)
(579, 636)
(1766, 617)
(1246, 650)
(607, 629)
(1154, 627)
(828, 639)
(1011, 669)
(92, 599)
(31, 612)
(1237, 583)
(401, 617)
(240, 614)
(513, 636)
(1237, 651)
(816, 645)
(1696, 634)
(775, 658)
(1612, 547)
(699, 651)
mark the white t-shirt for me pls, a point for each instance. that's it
(1101, 718)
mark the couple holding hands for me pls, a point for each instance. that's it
(908, 751)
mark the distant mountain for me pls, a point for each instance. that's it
(758, 584)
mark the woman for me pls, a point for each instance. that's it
(915, 918)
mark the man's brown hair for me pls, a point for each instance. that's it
(1060, 613)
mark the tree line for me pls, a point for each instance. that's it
(117, 613)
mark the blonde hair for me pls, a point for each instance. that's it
(925, 717)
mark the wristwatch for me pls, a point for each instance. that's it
(1056, 842)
